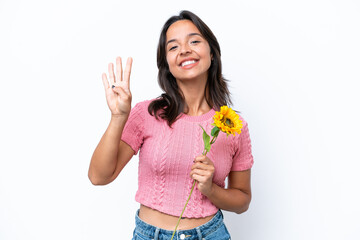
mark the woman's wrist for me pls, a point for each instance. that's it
(117, 122)
(119, 117)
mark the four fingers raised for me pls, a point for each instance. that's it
(119, 78)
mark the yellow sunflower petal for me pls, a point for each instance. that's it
(228, 121)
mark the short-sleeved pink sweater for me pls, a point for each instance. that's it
(167, 154)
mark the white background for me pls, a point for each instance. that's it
(293, 67)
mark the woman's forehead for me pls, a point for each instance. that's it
(181, 28)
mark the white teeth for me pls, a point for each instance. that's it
(187, 63)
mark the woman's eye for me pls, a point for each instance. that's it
(194, 42)
(172, 48)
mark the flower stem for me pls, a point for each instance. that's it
(192, 189)
(184, 208)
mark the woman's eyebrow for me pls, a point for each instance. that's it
(189, 35)
(193, 34)
(170, 41)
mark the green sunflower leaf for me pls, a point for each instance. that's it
(206, 139)
(215, 131)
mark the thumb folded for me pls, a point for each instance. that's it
(118, 90)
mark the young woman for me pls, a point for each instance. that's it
(167, 132)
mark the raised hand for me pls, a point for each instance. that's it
(118, 95)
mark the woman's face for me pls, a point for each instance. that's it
(187, 51)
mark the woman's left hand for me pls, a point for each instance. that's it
(203, 171)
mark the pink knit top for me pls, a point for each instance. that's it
(167, 154)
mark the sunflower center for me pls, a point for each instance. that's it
(229, 123)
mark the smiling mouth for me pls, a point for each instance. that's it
(186, 63)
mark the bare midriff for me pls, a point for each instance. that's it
(168, 222)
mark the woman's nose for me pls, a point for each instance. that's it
(185, 49)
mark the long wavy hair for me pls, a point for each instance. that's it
(170, 105)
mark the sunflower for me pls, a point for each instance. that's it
(228, 121)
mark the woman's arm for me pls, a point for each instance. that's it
(112, 154)
(236, 198)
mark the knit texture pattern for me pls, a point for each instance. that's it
(167, 154)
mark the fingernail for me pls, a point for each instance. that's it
(112, 86)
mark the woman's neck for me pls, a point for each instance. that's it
(194, 93)
(196, 108)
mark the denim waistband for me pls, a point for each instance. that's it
(199, 232)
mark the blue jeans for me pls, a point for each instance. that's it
(214, 229)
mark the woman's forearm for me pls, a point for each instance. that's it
(104, 159)
(233, 200)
